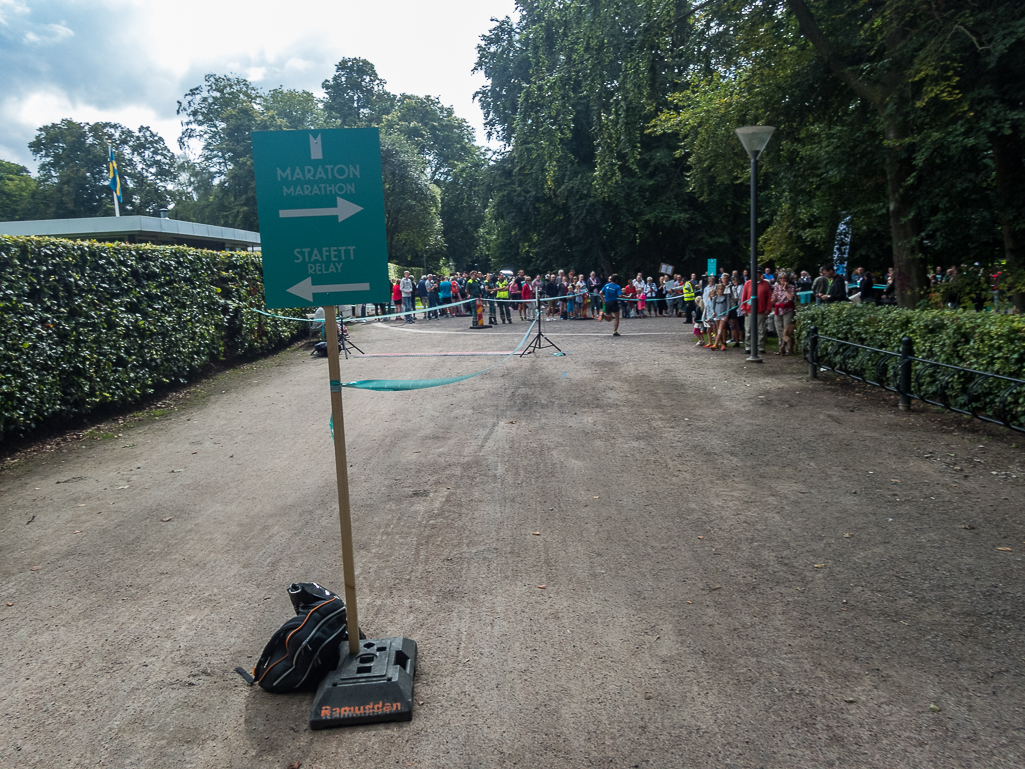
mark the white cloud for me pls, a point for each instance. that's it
(48, 34)
(297, 65)
(52, 106)
(129, 61)
(9, 8)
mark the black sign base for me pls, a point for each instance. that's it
(372, 686)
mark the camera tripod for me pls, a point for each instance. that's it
(540, 341)
(344, 342)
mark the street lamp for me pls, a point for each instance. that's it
(754, 138)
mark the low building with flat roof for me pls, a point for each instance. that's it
(138, 229)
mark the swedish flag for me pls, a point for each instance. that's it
(115, 179)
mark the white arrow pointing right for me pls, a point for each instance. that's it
(343, 210)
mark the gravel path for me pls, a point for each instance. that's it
(641, 554)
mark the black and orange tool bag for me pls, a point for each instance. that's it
(307, 647)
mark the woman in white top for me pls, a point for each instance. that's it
(720, 307)
(639, 283)
(733, 289)
(707, 316)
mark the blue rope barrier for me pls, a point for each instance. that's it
(282, 317)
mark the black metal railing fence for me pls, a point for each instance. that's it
(989, 397)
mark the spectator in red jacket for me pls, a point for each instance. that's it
(764, 297)
(527, 295)
(396, 296)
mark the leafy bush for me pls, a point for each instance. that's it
(86, 324)
(985, 342)
(239, 279)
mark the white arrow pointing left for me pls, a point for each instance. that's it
(306, 289)
(343, 210)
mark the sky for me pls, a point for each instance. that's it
(130, 61)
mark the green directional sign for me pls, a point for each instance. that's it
(320, 199)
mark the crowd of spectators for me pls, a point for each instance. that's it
(578, 295)
(967, 286)
(716, 305)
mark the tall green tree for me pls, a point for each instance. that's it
(73, 170)
(571, 88)
(810, 178)
(297, 110)
(452, 163)
(442, 139)
(884, 107)
(193, 191)
(356, 95)
(413, 228)
(872, 50)
(464, 200)
(972, 120)
(902, 57)
(17, 188)
(221, 115)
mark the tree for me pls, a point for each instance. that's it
(887, 109)
(464, 200)
(973, 93)
(297, 110)
(443, 140)
(810, 178)
(872, 56)
(415, 184)
(222, 114)
(73, 170)
(500, 56)
(356, 96)
(900, 55)
(453, 164)
(193, 191)
(148, 167)
(571, 89)
(411, 204)
(16, 190)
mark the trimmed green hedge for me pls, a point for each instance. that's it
(982, 341)
(86, 324)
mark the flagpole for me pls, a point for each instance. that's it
(115, 183)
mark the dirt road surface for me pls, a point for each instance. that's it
(641, 554)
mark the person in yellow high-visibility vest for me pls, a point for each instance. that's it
(502, 292)
(688, 300)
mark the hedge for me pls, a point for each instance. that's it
(85, 325)
(981, 341)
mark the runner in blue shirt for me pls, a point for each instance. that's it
(610, 294)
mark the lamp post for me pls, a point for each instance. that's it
(754, 138)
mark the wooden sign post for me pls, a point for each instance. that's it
(342, 473)
(325, 249)
(374, 681)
